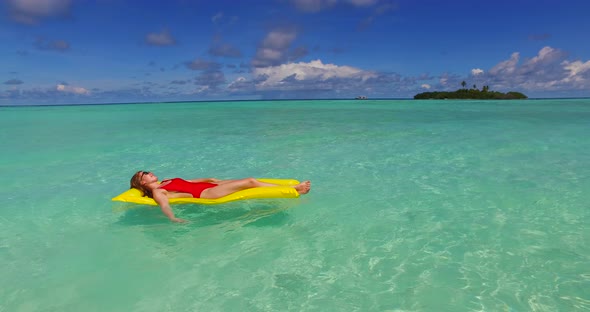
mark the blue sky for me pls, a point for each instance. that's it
(109, 51)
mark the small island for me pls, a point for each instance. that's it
(471, 94)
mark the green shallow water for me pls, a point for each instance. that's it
(416, 206)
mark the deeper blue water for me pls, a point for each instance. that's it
(415, 206)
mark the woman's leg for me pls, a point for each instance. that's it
(233, 181)
(227, 187)
(232, 186)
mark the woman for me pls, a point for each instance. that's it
(147, 182)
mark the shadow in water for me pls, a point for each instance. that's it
(204, 221)
(259, 213)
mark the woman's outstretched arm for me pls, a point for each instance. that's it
(162, 199)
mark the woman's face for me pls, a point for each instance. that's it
(147, 177)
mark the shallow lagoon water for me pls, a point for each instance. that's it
(415, 206)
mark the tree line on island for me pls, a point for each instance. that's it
(468, 94)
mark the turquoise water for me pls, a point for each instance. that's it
(415, 206)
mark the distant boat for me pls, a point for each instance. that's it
(361, 97)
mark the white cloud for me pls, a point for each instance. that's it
(270, 54)
(506, 67)
(219, 48)
(273, 49)
(578, 74)
(71, 89)
(549, 70)
(31, 11)
(546, 54)
(576, 68)
(202, 89)
(425, 86)
(163, 38)
(279, 39)
(314, 70)
(476, 71)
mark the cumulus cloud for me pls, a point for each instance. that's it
(210, 76)
(318, 80)
(163, 38)
(506, 67)
(425, 86)
(70, 95)
(476, 71)
(36, 96)
(243, 85)
(223, 49)
(238, 80)
(13, 82)
(576, 68)
(52, 45)
(578, 74)
(314, 70)
(70, 89)
(33, 11)
(273, 49)
(449, 81)
(545, 57)
(549, 70)
(210, 79)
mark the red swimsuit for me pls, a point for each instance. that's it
(183, 186)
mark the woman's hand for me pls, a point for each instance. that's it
(213, 180)
(161, 197)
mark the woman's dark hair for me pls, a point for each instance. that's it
(136, 183)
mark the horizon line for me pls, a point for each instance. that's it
(270, 100)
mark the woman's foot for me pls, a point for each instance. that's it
(303, 187)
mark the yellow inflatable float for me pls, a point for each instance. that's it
(284, 190)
